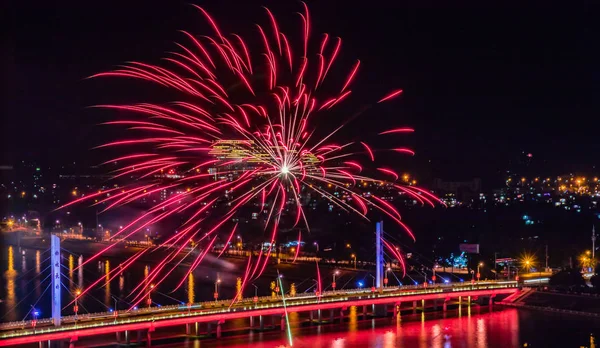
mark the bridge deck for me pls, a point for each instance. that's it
(156, 317)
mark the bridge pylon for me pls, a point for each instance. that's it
(55, 267)
(379, 256)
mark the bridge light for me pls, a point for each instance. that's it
(360, 284)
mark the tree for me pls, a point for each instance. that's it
(567, 278)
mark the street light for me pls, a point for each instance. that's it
(479, 274)
(336, 272)
(373, 288)
(255, 293)
(35, 313)
(149, 300)
(216, 294)
(76, 307)
(317, 245)
(116, 312)
(241, 244)
(385, 279)
(354, 257)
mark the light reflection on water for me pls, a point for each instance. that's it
(190, 291)
(107, 298)
(465, 327)
(10, 276)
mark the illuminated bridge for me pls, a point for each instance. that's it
(202, 317)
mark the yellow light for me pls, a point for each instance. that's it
(353, 256)
(188, 189)
(74, 192)
(348, 245)
(522, 179)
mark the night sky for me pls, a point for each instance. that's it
(482, 85)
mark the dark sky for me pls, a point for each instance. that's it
(481, 84)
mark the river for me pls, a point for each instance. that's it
(24, 284)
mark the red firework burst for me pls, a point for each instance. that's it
(276, 148)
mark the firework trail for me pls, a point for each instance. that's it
(276, 147)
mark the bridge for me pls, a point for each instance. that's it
(145, 321)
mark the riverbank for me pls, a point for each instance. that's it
(555, 302)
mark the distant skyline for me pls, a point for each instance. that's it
(483, 86)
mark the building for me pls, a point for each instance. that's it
(464, 191)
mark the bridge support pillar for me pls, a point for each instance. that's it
(262, 322)
(219, 328)
(364, 312)
(319, 315)
(445, 306)
(414, 307)
(251, 322)
(331, 315)
(72, 342)
(127, 338)
(148, 338)
(397, 307)
(209, 329)
(187, 329)
(342, 316)
(491, 303)
(118, 336)
(282, 322)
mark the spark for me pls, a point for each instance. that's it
(390, 96)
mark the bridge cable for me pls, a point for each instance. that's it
(18, 303)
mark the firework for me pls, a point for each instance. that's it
(270, 113)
